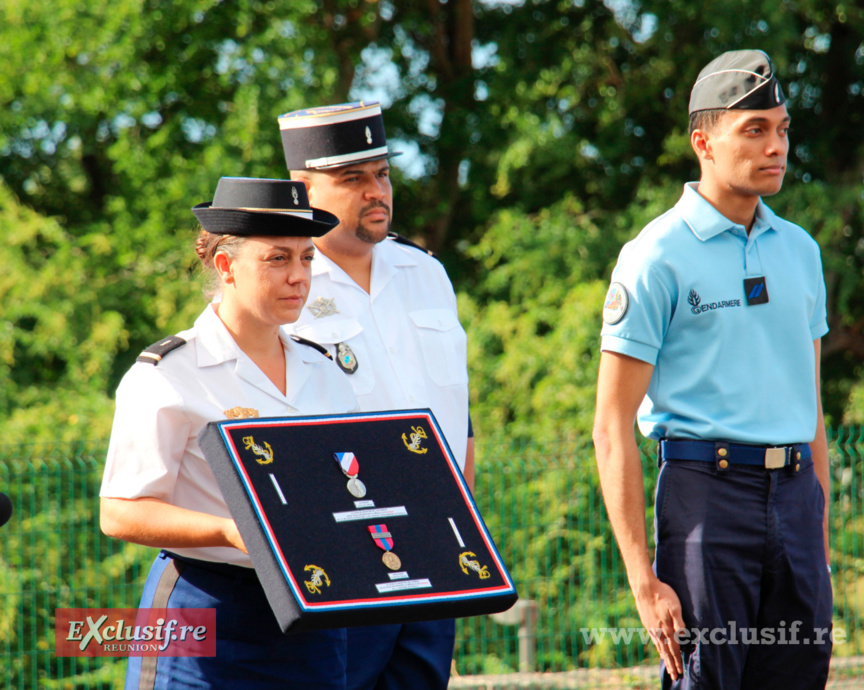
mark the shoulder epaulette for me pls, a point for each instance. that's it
(404, 240)
(311, 343)
(154, 354)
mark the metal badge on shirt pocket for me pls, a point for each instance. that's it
(336, 330)
(322, 307)
(345, 358)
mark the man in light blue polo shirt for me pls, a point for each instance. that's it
(712, 338)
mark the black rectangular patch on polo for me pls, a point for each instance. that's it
(756, 290)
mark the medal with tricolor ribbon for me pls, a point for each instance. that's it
(351, 468)
(384, 540)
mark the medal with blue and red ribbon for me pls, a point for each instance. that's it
(384, 540)
(351, 468)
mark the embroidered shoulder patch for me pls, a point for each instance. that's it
(615, 306)
(154, 354)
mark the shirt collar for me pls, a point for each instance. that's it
(706, 222)
(765, 220)
(385, 256)
(214, 344)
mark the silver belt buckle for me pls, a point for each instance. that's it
(775, 458)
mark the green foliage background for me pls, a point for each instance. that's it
(539, 136)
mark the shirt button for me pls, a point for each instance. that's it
(723, 464)
(392, 350)
(410, 398)
(722, 452)
(797, 466)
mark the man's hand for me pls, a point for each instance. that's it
(660, 611)
(621, 386)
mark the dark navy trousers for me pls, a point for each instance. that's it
(408, 656)
(252, 653)
(744, 551)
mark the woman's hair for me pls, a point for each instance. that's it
(206, 246)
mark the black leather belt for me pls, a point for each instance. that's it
(237, 572)
(724, 453)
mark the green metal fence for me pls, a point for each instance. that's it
(542, 505)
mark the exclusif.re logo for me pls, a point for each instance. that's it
(135, 632)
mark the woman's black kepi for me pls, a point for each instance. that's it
(246, 206)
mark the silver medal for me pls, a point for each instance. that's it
(356, 487)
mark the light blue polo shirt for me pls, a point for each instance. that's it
(724, 370)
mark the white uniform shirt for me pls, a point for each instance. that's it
(161, 409)
(409, 346)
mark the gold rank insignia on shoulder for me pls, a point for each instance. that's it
(468, 562)
(319, 578)
(264, 453)
(322, 307)
(241, 413)
(418, 433)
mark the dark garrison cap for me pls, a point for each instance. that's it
(737, 80)
(334, 135)
(246, 206)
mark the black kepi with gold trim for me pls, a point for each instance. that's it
(247, 206)
(737, 80)
(333, 136)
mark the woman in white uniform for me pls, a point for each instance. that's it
(158, 490)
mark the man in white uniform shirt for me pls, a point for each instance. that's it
(386, 310)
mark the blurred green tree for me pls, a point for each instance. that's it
(115, 118)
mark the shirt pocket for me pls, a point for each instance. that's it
(330, 333)
(443, 342)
